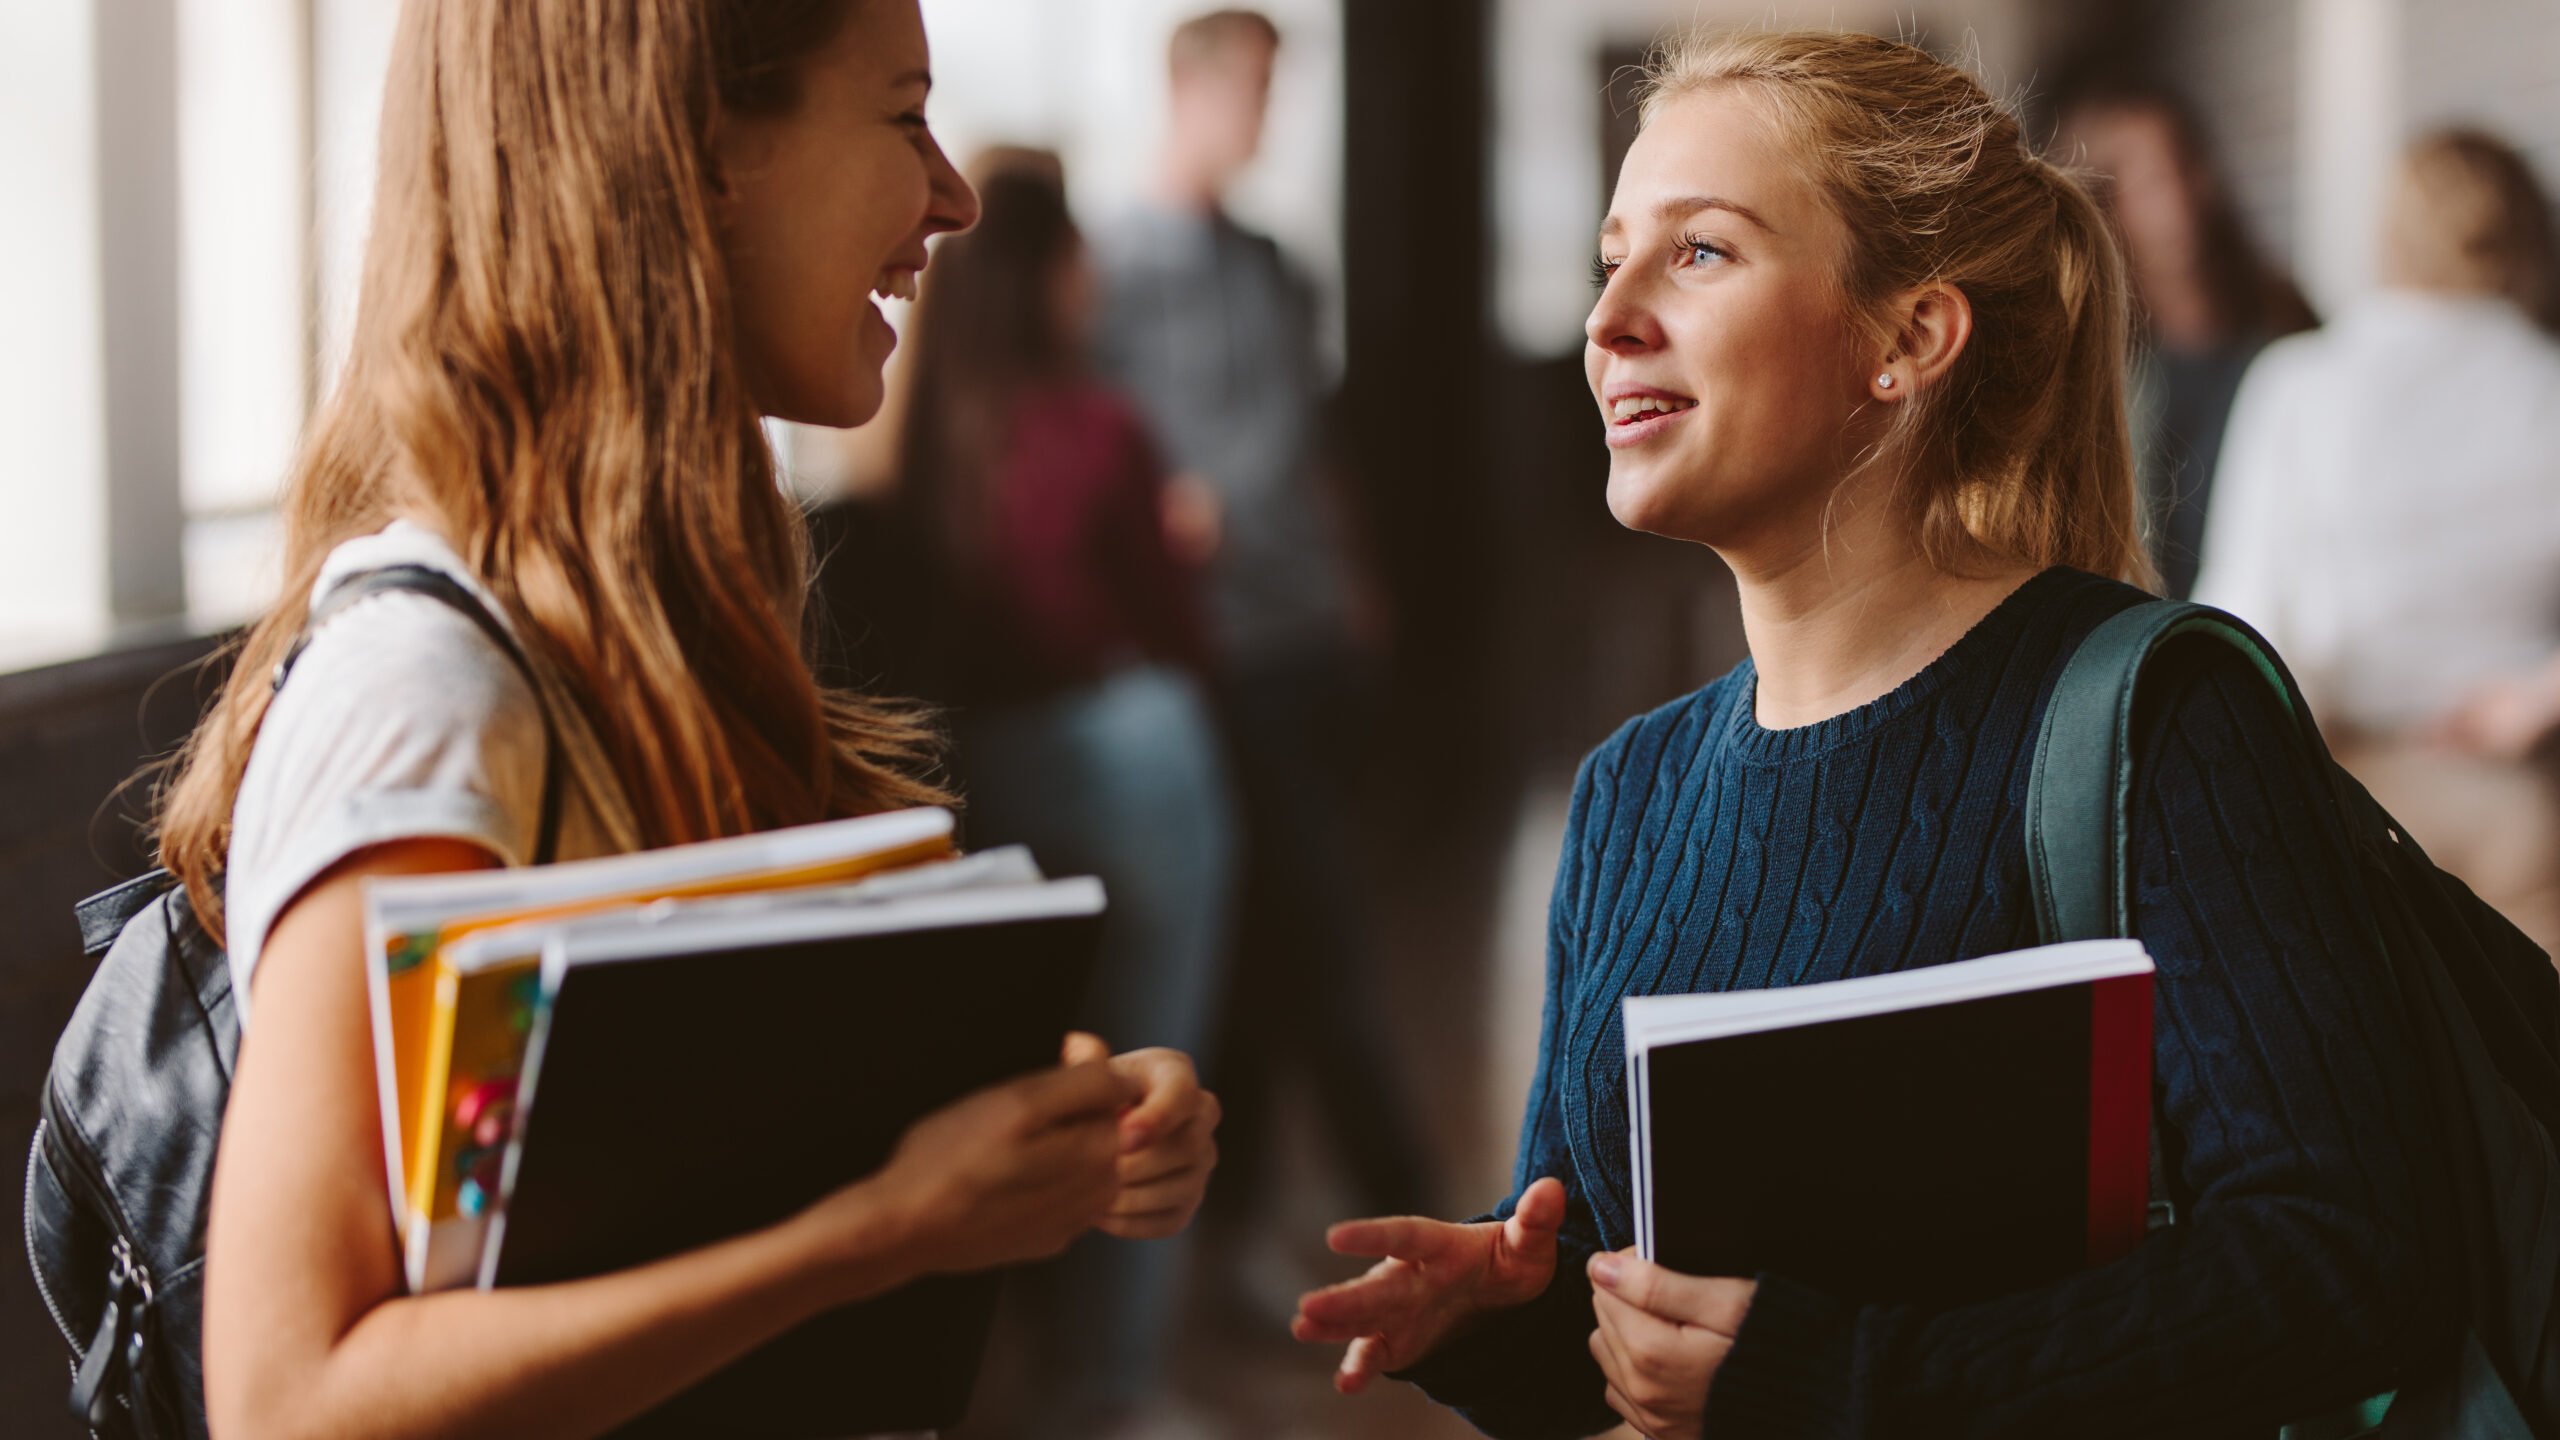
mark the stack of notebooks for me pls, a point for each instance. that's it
(591, 1065)
(1937, 1135)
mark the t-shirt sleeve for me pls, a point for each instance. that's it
(2304, 1273)
(401, 720)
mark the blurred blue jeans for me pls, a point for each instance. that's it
(1121, 779)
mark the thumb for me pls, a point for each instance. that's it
(1083, 1048)
(1529, 1236)
(1715, 1303)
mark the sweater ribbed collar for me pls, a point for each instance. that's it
(1981, 646)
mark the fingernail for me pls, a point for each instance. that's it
(1604, 1271)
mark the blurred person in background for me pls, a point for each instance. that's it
(1214, 334)
(2390, 517)
(1071, 642)
(2206, 301)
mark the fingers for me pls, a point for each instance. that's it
(1623, 1388)
(1165, 1192)
(1628, 1410)
(1405, 1237)
(1338, 1314)
(1170, 1094)
(1071, 1092)
(1630, 1331)
(1184, 1152)
(1082, 1048)
(1716, 1304)
(1363, 1360)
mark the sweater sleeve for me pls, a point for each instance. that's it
(2303, 1276)
(1527, 1373)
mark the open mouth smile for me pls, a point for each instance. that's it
(1636, 418)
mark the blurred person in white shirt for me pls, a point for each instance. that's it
(2387, 511)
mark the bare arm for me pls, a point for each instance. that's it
(308, 1331)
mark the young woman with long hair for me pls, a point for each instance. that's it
(1856, 338)
(610, 236)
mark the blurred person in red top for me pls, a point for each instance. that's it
(1070, 639)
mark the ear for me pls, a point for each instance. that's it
(1933, 322)
(740, 146)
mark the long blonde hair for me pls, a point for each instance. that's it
(2021, 452)
(543, 369)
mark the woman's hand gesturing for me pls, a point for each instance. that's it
(1662, 1336)
(1168, 1141)
(1431, 1277)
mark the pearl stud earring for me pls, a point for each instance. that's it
(1885, 381)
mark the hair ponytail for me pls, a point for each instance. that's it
(2020, 453)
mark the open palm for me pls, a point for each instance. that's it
(1431, 1278)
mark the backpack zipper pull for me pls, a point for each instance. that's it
(119, 1337)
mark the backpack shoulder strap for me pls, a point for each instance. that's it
(2080, 789)
(437, 585)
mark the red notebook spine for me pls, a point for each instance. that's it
(2119, 1115)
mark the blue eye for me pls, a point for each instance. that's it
(1701, 252)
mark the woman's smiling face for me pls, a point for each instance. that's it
(830, 204)
(1726, 367)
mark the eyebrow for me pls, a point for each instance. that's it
(1680, 207)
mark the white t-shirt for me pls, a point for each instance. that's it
(2387, 505)
(401, 720)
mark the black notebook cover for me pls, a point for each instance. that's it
(1944, 1153)
(688, 1098)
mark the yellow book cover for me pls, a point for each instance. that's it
(442, 1034)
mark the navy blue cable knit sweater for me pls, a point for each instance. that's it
(1705, 852)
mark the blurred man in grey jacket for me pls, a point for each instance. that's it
(1214, 334)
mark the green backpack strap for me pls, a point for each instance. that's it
(2078, 822)
(2081, 787)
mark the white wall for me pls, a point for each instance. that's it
(2348, 132)
(245, 348)
(53, 539)
(350, 54)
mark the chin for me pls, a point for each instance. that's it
(1645, 497)
(853, 402)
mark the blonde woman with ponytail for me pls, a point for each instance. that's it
(1856, 338)
(610, 236)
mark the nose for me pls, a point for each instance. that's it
(1622, 320)
(953, 205)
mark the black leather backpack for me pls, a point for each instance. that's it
(2480, 999)
(131, 1114)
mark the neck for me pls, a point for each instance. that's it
(2182, 312)
(1184, 186)
(1844, 620)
